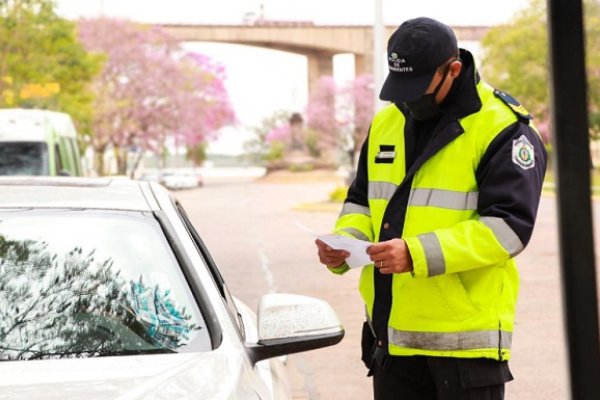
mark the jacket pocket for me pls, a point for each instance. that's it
(421, 304)
(454, 295)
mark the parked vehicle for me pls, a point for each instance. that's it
(38, 142)
(174, 179)
(125, 301)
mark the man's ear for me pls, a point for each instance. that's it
(455, 68)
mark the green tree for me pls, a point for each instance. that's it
(592, 23)
(515, 59)
(266, 147)
(197, 153)
(42, 64)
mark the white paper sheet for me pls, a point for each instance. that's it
(357, 249)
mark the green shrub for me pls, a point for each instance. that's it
(301, 167)
(275, 152)
(311, 139)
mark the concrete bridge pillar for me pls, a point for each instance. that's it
(319, 64)
(363, 64)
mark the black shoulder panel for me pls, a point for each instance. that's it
(514, 105)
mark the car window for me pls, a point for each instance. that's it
(81, 283)
(23, 158)
(216, 274)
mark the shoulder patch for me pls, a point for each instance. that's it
(513, 104)
(523, 154)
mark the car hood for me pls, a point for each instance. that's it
(213, 375)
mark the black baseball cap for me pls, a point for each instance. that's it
(415, 50)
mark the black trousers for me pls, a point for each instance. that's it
(434, 378)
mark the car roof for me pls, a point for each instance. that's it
(73, 192)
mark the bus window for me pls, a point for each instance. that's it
(58, 164)
(23, 158)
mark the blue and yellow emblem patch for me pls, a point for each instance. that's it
(523, 153)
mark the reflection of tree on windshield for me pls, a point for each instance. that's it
(164, 323)
(78, 307)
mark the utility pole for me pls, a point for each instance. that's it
(378, 49)
(571, 142)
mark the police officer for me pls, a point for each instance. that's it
(447, 189)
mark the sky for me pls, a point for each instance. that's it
(270, 80)
(465, 12)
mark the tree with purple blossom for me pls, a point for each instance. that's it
(150, 91)
(339, 116)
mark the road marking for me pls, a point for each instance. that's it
(265, 266)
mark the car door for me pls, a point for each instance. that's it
(271, 372)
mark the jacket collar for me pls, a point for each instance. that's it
(461, 101)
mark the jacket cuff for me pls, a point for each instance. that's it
(419, 260)
(342, 269)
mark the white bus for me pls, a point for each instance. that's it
(38, 142)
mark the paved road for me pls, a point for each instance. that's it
(250, 228)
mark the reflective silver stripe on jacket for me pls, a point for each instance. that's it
(381, 190)
(443, 199)
(433, 254)
(353, 208)
(504, 233)
(470, 340)
(356, 233)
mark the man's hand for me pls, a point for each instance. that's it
(329, 256)
(391, 256)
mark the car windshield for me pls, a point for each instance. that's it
(23, 158)
(81, 283)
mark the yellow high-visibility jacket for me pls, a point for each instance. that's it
(459, 301)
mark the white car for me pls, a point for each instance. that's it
(177, 180)
(108, 292)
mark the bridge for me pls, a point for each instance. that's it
(319, 43)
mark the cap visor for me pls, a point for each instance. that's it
(399, 90)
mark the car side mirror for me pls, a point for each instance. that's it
(290, 323)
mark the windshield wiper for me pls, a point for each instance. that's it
(87, 353)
